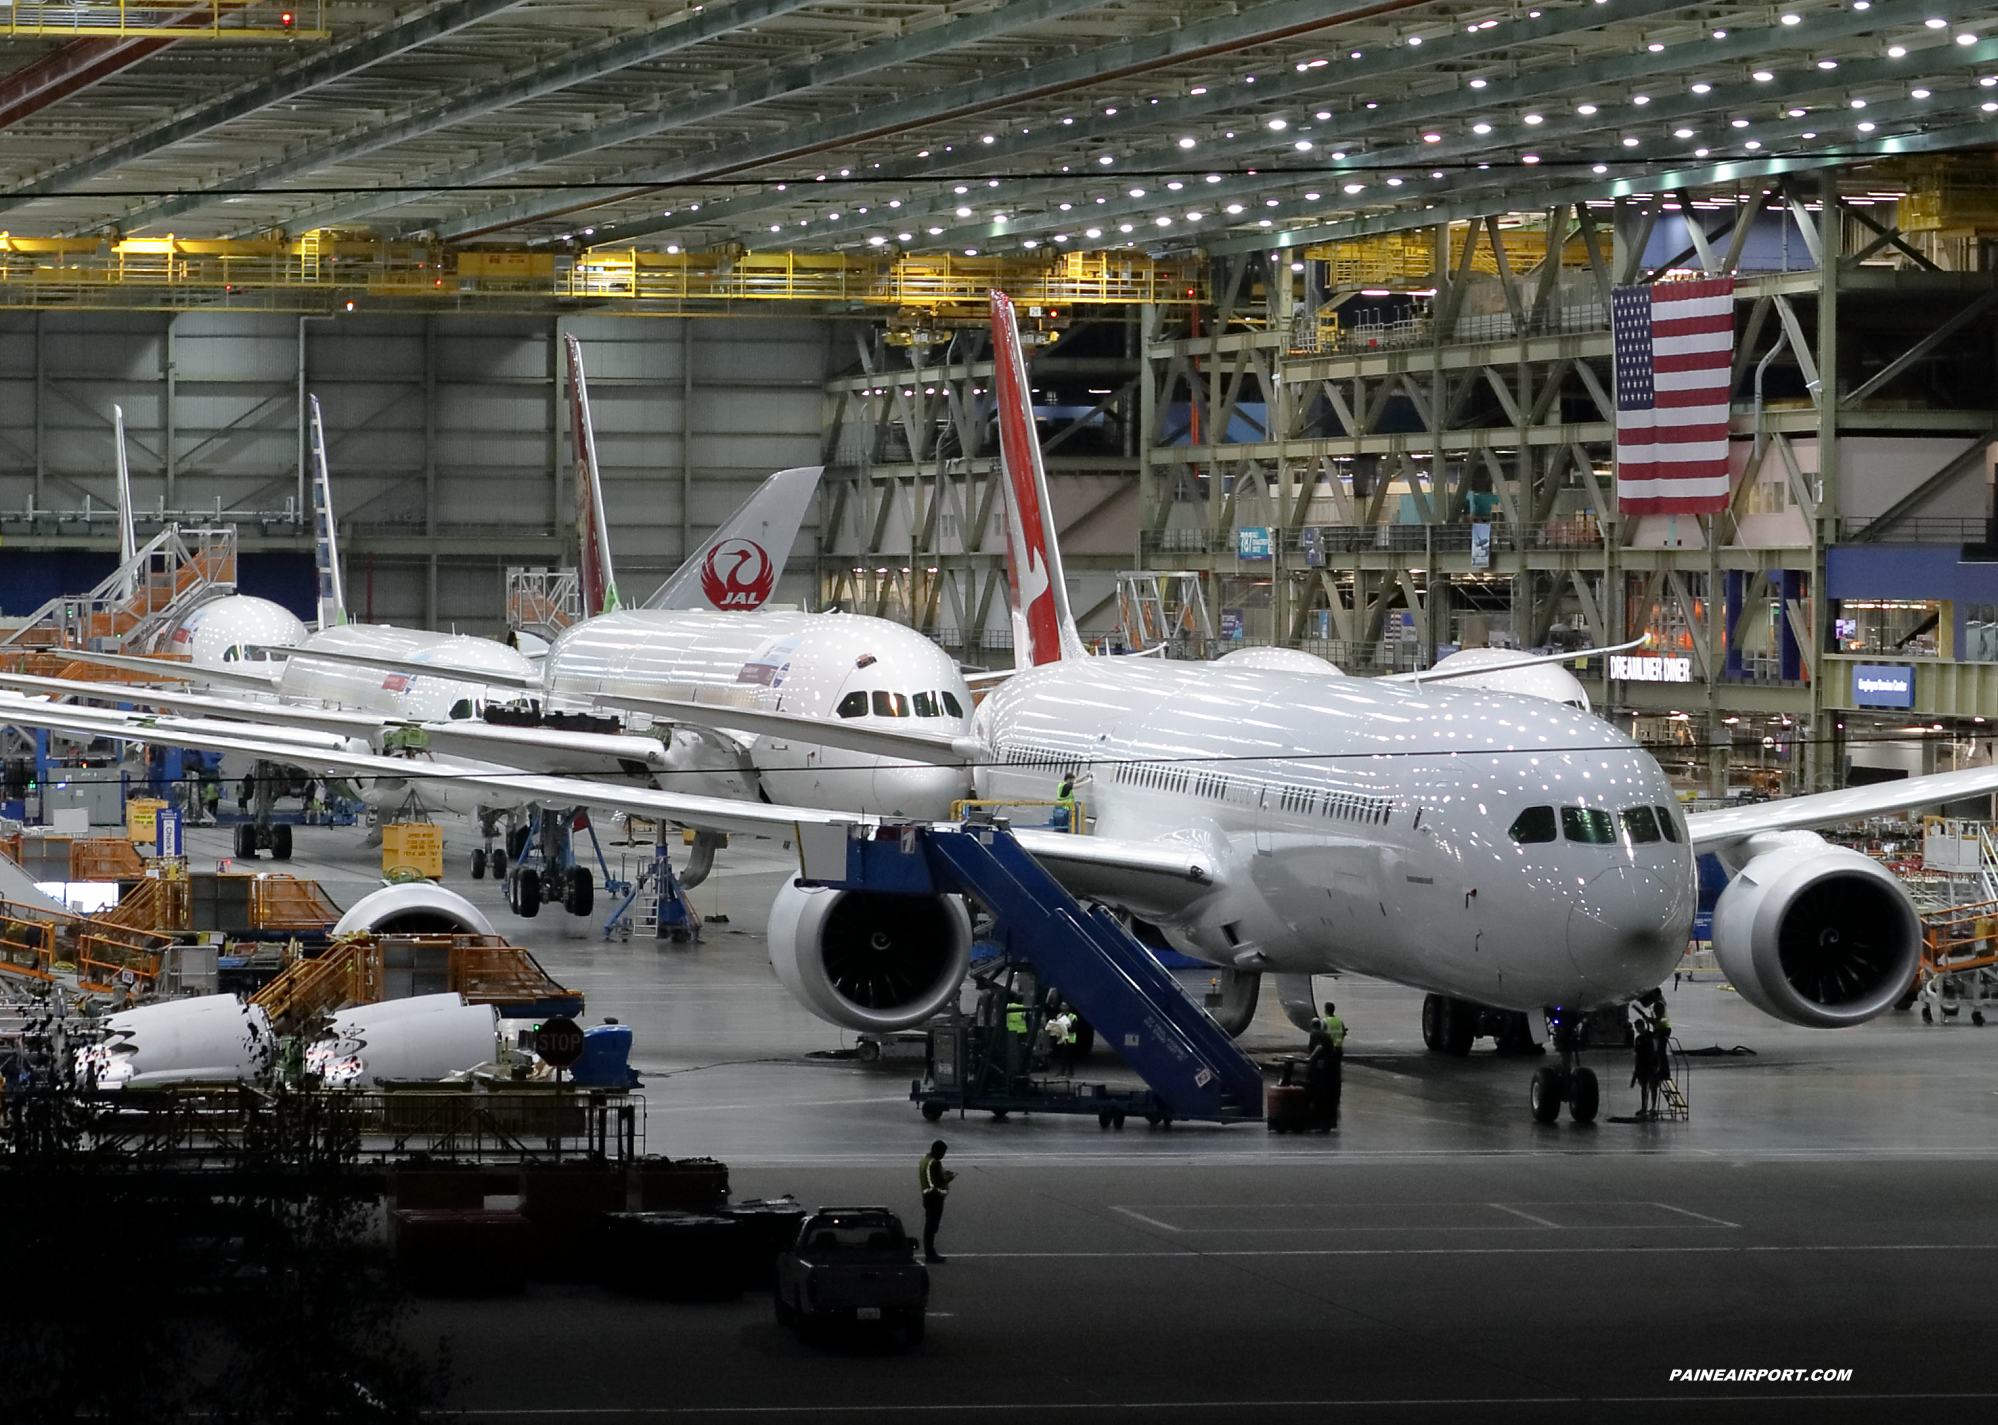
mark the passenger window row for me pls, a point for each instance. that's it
(1343, 806)
(1592, 826)
(886, 704)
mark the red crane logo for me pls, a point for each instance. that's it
(737, 574)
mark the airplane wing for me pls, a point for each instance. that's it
(414, 668)
(1151, 879)
(548, 750)
(317, 753)
(1714, 830)
(353, 724)
(1531, 660)
(255, 677)
(936, 749)
(990, 678)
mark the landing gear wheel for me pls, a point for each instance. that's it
(1105, 1118)
(1585, 1098)
(1460, 1027)
(281, 843)
(246, 842)
(1434, 1012)
(582, 892)
(497, 863)
(526, 895)
(1545, 1095)
(479, 863)
(932, 1110)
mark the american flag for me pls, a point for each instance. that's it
(1674, 343)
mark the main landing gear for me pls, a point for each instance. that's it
(545, 870)
(1569, 1083)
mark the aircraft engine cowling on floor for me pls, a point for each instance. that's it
(867, 961)
(1816, 934)
(419, 908)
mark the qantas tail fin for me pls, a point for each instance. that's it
(739, 566)
(325, 534)
(128, 535)
(593, 555)
(1043, 628)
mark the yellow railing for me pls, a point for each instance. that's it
(178, 20)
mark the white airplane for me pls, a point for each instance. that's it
(1504, 853)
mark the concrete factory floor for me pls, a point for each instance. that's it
(1440, 1258)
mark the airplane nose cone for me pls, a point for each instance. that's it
(1627, 929)
(922, 793)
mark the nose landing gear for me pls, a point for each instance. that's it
(1569, 1083)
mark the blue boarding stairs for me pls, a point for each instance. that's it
(1192, 1067)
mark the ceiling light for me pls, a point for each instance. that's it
(1481, 128)
(1436, 173)
(1394, 183)
(1187, 143)
(1175, 185)
(1792, 19)
(1322, 115)
(1757, 143)
(1269, 202)
(1213, 178)
(1966, 39)
(1350, 188)
(1799, 113)
(935, 231)
(1859, 103)
(1061, 237)
(964, 212)
(1432, 138)
(1094, 233)
(1302, 145)
(1600, 168)
(1701, 152)
(1125, 227)
(1896, 52)
(1198, 89)
(1682, 133)
(874, 241)
(904, 237)
(1630, 143)
(1234, 208)
(1640, 99)
(672, 247)
(1937, 24)
(1137, 192)
(1066, 206)
(1311, 197)
(894, 202)
(1111, 110)
(1703, 88)
(1529, 158)
(1737, 123)
(1918, 93)
(1762, 76)
(1866, 128)
(1195, 217)
(1720, 34)
(1585, 108)
(1478, 83)
(971, 252)
(1163, 221)
(1106, 159)
(1279, 124)
(1533, 119)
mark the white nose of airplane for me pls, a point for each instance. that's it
(921, 793)
(1627, 928)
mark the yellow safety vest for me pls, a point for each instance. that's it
(931, 1177)
(1334, 1030)
(1016, 1019)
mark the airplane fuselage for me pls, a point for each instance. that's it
(1473, 843)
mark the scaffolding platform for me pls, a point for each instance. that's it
(1085, 958)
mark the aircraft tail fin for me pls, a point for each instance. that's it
(325, 533)
(593, 554)
(739, 566)
(128, 535)
(1043, 626)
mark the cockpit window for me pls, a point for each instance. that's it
(1668, 823)
(950, 704)
(1533, 824)
(1639, 824)
(854, 704)
(890, 704)
(926, 704)
(1588, 825)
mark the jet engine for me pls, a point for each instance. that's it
(1816, 934)
(424, 1037)
(868, 961)
(419, 908)
(207, 1037)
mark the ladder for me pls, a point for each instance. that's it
(1674, 1104)
(1189, 1062)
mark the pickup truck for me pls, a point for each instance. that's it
(853, 1264)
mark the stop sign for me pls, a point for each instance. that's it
(559, 1041)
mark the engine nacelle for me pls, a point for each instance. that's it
(204, 1038)
(419, 908)
(868, 961)
(422, 1037)
(1816, 934)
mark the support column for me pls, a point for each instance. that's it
(1831, 241)
(686, 437)
(430, 467)
(170, 374)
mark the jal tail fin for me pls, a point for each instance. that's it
(325, 532)
(739, 566)
(598, 584)
(1043, 627)
(128, 534)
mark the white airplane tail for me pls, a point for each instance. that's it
(1043, 627)
(593, 556)
(738, 567)
(128, 535)
(325, 533)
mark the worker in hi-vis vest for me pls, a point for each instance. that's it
(935, 1180)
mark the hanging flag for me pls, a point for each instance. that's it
(1674, 346)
